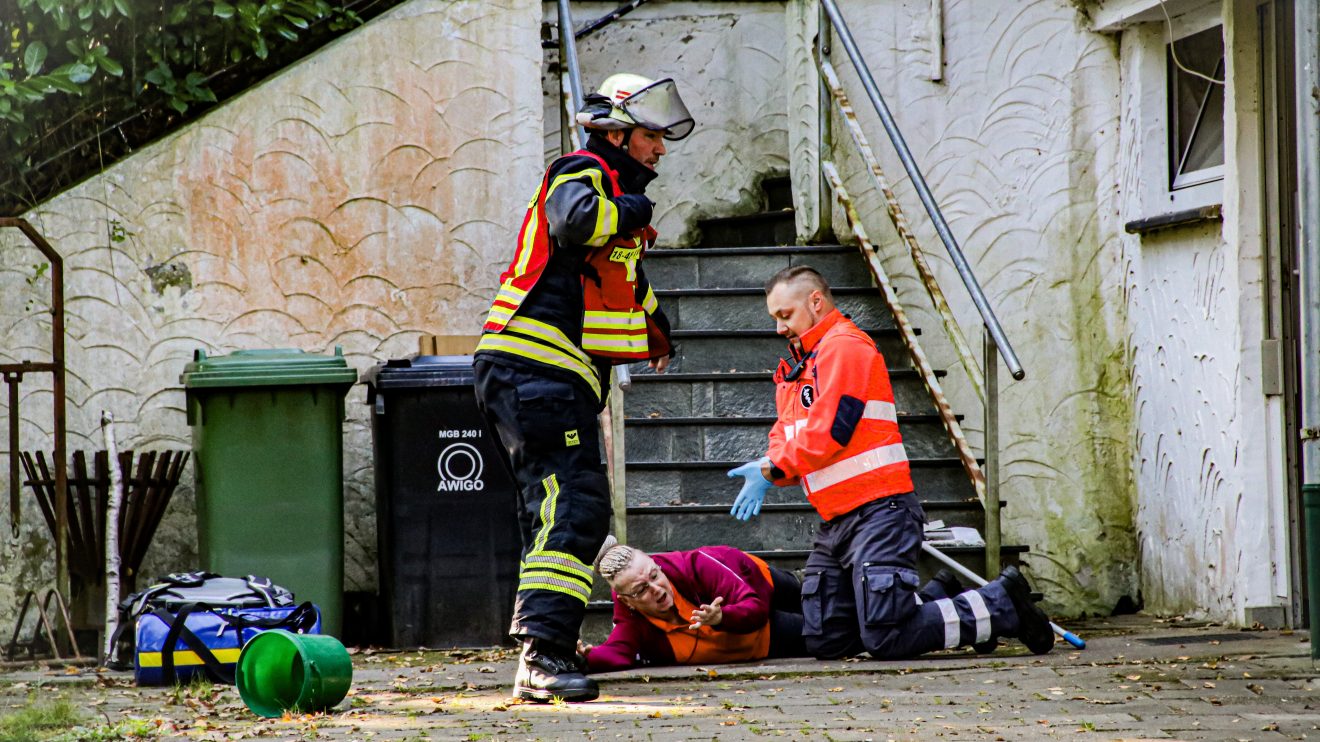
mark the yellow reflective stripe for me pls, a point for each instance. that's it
(593, 318)
(510, 293)
(185, 657)
(498, 314)
(649, 302)
(528, 245)
(607, 214)
(607, 222)
(614, 342)
(550, 334)
(551, 485)
(561, 560)
(503, 342)
(555, 578)
(538, 585)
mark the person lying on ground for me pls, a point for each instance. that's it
(707, 605)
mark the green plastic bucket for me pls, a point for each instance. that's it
(280, 671)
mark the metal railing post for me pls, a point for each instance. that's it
(568, 64)
(824, 132)
(993, 537)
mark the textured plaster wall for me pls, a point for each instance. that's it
(728, 60)
(1211, 498)
(1019, 144)
(362, 197)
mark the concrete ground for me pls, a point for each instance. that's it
(1139, 678)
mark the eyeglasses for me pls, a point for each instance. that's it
(652, 584)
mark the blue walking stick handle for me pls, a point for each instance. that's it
(1068, 636)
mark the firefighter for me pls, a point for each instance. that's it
(573, 302)
(837, 435)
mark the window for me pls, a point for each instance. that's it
(1196, 108)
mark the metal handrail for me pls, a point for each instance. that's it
(923, 191)
(952, 329)
(601, 22)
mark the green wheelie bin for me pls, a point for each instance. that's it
(267, 430)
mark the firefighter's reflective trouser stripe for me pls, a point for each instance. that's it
(859, 590)
(547, 427)
(532, 340)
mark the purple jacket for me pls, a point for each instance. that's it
(699, 575)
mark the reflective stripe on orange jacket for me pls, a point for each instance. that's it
(837, 428)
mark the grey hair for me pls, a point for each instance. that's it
(613, 558)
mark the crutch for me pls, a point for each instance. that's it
(926, 546)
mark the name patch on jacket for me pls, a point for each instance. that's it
(625, 254)
(807, 396)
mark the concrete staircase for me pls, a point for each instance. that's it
(714, 407)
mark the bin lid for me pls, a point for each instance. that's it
(267, 367)
(419, 371)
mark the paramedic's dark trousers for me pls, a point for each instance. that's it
(859, 590)
(549, 432)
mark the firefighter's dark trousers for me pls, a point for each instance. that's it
(549, 432)
(859, 590)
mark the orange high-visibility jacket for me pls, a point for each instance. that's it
(837, 432)
(618, 303)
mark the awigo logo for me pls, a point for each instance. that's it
(460, 468)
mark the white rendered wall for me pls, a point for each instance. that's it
(362, 197)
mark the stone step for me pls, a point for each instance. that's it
(740, 394)
(750, 267)
(778, 193)
(766, 228)
(744, 308)
(707, 483)
(666, 528)
(744, 438)
(707, 351)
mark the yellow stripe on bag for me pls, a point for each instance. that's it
(183, 658)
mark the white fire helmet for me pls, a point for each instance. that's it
(625, 100)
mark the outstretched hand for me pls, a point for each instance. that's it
(709, 614)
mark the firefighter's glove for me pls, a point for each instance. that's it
(753, 490)
(634, 211)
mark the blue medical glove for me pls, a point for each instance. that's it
(753, 491)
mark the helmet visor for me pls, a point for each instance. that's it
(659, 108)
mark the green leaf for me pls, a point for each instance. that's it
(223, 10)
(124, 8)
(85, 12)
(260, 49)
(33, 57)
(110, 66)
(62, 84)
(80, 73)
(179, 105)
(178, 14)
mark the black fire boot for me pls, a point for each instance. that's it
(547, 672)
(1033, 625)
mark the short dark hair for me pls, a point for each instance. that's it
(803, 273)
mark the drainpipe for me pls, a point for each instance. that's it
(1307, 31)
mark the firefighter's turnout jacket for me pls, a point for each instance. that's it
(575, 300)
(837, 427)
